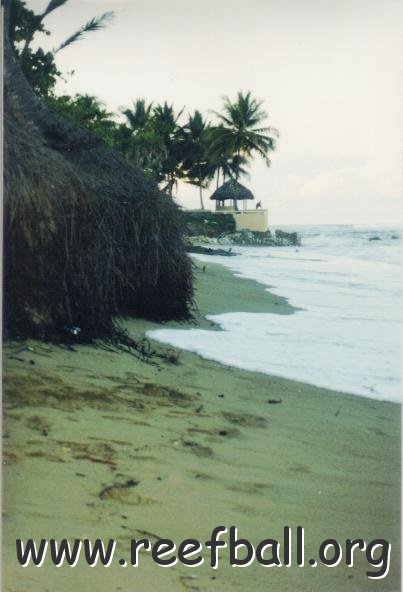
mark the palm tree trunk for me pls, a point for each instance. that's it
(200, 187)
(201, 197)
(237, 177)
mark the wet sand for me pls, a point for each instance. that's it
(100, 444)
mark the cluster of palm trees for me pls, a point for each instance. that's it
(197, 151)
(152, 136)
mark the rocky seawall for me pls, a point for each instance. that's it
(206, 228)
(247, 238)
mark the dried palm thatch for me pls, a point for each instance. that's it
(87, 237)
(232, 190)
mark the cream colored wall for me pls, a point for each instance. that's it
(229, 208)
(252, 220)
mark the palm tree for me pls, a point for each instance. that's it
(166, 124)
(221, 156)
(140, 116)
(198, 169)
(240, 135)
(140, 140)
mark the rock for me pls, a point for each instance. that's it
(249, 237)
(287, 238)
(243, 237)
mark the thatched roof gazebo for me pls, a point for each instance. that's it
(233, 192)
(227, 197)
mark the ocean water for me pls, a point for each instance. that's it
(345, 334)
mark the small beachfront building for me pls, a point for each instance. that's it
(230, 196)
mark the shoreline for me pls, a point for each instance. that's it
(206, 447)
(250, 296)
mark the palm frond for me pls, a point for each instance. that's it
(140, 116)
(267, 130)
(223, 118)
(53, 4)
(95, 24)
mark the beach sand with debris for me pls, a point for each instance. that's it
(104, 444)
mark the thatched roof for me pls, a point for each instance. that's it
(232, 190)
(88, 237)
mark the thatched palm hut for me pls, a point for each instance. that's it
(231, 192)
(87, 236)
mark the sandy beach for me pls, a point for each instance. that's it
(102, 444)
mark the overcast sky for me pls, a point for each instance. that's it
(328, 72)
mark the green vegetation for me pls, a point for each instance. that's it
(88, 112)
(153, 137)
(139, 139)
(208, 224)
(39, 66)
(198, 165)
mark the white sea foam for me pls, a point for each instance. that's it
(347, 335)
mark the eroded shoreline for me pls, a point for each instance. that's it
(204, 447)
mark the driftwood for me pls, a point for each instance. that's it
(209, 251)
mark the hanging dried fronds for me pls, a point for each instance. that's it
(88, 238)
